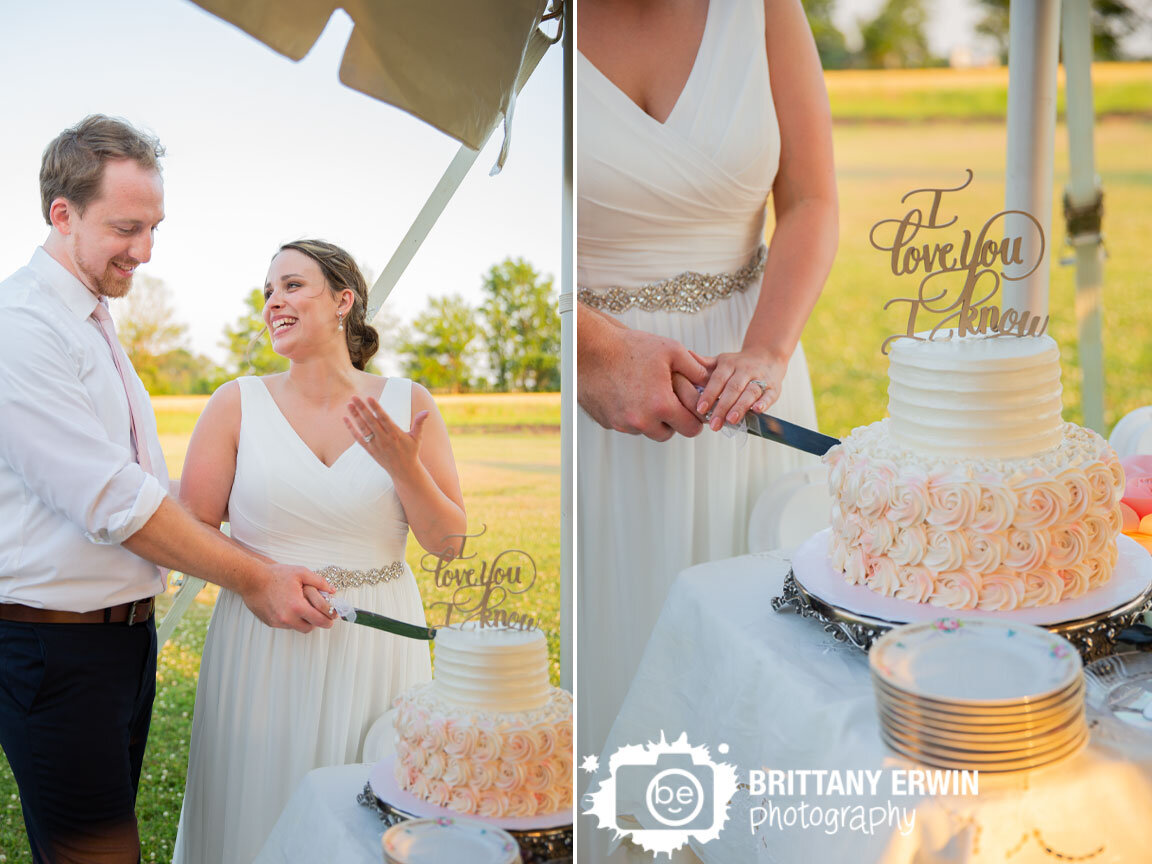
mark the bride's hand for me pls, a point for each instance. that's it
(392, 447)
(741, 381)
(319, 602)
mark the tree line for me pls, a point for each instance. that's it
(509, 342)
(895, 37)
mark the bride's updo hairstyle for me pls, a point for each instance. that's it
(342, 274)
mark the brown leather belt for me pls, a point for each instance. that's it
(136, 612)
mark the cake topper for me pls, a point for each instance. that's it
(480, 588)
(961, 272)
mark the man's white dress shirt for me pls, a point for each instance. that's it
(71, 490)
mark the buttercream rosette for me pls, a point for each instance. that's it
(968, 533)
(490, 764)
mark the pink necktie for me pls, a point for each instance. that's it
(135, 409)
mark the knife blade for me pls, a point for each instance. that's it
(391, 625)
(789, 434)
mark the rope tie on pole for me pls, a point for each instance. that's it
(1082, 223)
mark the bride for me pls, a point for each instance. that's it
(324, 465)
(695, 118)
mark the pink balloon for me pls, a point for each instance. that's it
(1138, 484)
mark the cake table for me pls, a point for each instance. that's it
(324, 821)
(541, 838)
(722, 668)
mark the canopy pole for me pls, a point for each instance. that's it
(1084, 206)
(567, 375)
(453, 176)
(1034, 30)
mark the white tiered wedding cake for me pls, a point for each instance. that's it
(488, 735)
(975, 493)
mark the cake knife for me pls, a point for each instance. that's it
(380, 622)
(391, 625)
(789, 434)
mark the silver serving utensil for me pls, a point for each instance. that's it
(789, 434)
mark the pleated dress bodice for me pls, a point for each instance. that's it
(658, 199)
(282, 491)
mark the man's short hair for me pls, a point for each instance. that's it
(73, 164)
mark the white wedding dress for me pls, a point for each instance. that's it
(272, 705)
(656, 200)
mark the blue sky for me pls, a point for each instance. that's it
(262, 150)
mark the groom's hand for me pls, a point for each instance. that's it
(279, 601)
(626, 379)
(688, 394)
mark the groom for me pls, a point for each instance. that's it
(87, 529)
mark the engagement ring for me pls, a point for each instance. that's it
(368, 438)
(763, 385)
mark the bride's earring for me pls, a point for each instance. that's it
(340, 319)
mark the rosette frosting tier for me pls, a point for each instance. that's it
(975, 494)
(489, 736)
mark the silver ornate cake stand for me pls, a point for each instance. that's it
(854, 614)
(536, 846)
(1093, 637)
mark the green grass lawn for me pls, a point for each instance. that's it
(511, 482)
(927, 95)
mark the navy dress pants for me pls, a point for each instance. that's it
(75, 703)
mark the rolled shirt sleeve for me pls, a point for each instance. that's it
(57, 440)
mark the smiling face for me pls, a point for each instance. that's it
(675, 797)
(104, 245)
(300, 309)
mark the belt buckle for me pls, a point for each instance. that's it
(132, 612)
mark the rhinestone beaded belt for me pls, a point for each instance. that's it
(339, 578)
(688, 292)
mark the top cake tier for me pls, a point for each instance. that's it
(976, 396)
(492, 668)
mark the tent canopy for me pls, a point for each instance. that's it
(453, 63)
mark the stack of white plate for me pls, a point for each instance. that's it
(979, 694)
(435, 841)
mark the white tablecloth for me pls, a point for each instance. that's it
(323, 822)
(723, 668)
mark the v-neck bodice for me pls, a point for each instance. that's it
(287, 504)
(685, 94)
(657, 199)
(353, 447)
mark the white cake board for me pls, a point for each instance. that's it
(382, 779)
(813, 570)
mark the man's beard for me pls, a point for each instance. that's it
(109, 283)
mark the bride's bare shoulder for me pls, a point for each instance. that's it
(222, 412)
(422, 399)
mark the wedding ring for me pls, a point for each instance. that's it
(368, 438)
(763, 385)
